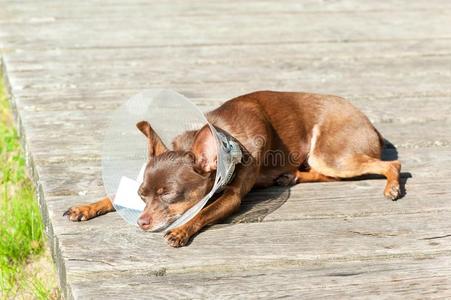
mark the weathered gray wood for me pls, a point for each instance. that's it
(115, 8)
(391, 278)
(254, 245)
(166, 30)
(70, 64)
(379, 76)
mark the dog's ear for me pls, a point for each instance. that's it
(155, 146)
(205, 149)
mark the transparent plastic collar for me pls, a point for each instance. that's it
(125, 148)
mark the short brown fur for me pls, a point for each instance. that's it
(286, 138)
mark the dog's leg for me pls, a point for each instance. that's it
(89, 211)
(288, 179)
(389, 169)
(346, 152)
(218, 210)
(223, 207)
(363, 164)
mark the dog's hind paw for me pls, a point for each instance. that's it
(392, 191)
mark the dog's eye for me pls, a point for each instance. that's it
(142, 193)
(168, 196)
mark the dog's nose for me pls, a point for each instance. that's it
(144, 222)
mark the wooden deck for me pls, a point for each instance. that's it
(70, 63)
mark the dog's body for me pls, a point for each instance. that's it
(286, 138)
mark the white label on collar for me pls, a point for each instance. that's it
(127, 194)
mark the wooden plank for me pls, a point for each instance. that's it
(376, 77)
(395, 278)
(114, 9)
(50, 59)
(190, 30)
(252, 246)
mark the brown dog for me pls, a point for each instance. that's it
(286, 138)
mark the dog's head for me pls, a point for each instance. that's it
(174, 181)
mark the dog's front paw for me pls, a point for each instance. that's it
(80, 213)
(177, 237)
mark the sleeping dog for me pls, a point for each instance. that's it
(285, 138)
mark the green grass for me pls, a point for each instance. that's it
(22, 236)
(40, 289)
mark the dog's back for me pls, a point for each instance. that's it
(286, 120)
